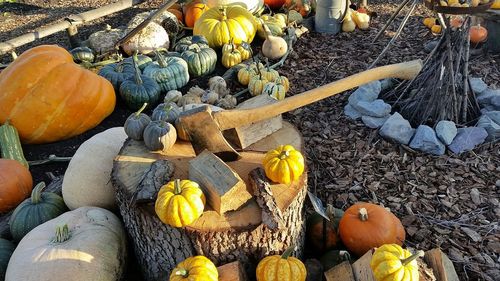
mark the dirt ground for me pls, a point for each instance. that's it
(450, 201)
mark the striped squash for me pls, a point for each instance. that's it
(171, 73)
(37, 209)
(10, 144)
(200, 61)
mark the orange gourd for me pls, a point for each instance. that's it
(274, 4)
(48, 97)
(478, 34)
(177, 13)
(365, 226)
(15, 184)
(193, 11)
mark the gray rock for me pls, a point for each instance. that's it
(467, 139)
(367, 93)
(351, 112)
(376, 108)
(487, 96)
(446, 131)
(397, 128)
(374, 122)
(388, 83)
(425, 140)
(494, 115)
(495, 102)
(477, 85)
(488, 123)
(374, 86)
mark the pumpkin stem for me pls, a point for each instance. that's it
(141, 109)
(36, 194)
(284, 154)
(177, 186)
(138, 78)
(288, 252)
(161, 59)
(363, 214)
(62, 234)
(182, 272)
(409, 259)
(223, 15)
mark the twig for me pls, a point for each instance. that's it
(51, 158)
(398, 32)
(391, 19)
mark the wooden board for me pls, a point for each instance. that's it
(232, 272)
(362, 269)
(247, 234)
(441, 264)
(341, 272)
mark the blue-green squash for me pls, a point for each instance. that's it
(116, 73)
(200, 61)
(171, 73)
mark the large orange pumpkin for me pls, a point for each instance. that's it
(365, 226)
(15, 184)
(48, 97)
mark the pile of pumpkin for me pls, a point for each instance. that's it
(478, 33)
(355, 18)
(464, 4)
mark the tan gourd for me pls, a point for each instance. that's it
(362, 20)
(274, 47)
(88, 243)
(348, 25)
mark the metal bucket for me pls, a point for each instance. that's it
(329, 15)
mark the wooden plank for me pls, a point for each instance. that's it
(248, 135)
(441, 264)
(232, 272)
(361, 268)
(341, 272)
(71, 20)
(223, 187)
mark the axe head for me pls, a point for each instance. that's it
(204, 133)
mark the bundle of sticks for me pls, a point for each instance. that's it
(442, 90)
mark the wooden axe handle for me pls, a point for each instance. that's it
(228, 119)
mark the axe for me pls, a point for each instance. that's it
(205, 127)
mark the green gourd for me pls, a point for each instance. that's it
(139, 89)
(10, 144)
(200, 61)
(159, 135)
(116, 73)
(33, 211)
(167, 112)
(136, 123)
(171, 73)
(186, 42)
(6, 250)
(81, 54)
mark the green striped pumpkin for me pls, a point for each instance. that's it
(171, 73)
(276, 91)
(32, 212)
(10, 144)
(6, 250)
(200, 61)
(116, 73)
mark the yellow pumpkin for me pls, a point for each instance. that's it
(270, 74)
(179, 203)
(390, 262)
(197, 268)
(283, 81)
(281, 268)
(429, 22)
(283, 164)
(231, 58)
(274, 90)
(245, 74)
(220, 24)
(496, 5)
(245, 50)
(256, 85)
(436, 29)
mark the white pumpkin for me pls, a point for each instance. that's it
(252, 5)
(87, 181)
(92, 247)
(152, 37)
(104, 41)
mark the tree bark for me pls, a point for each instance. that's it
(267, 224)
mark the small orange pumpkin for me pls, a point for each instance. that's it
(15, 184)
(193, 11)
(478, 34)
(48, 97)
(177, 13)
(365, 226)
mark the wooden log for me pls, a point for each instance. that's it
(232, 272)
(55, 186)
(224, 189)
(245, 136)
(361, 268)
(442, 266)
(72, 20)
(342, 272)
(238, 235)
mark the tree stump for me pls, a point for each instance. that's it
(267, 224)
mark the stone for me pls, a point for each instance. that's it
(376, 108)
(487, 96)
(477, 85)
(387, 84)
(487, 121)
(397, 128)
(495, 102)
(364, 93)
(374, 86)
(374, 122)
(467, 139)
(352, 113)
(425, 140)
(446, 131)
